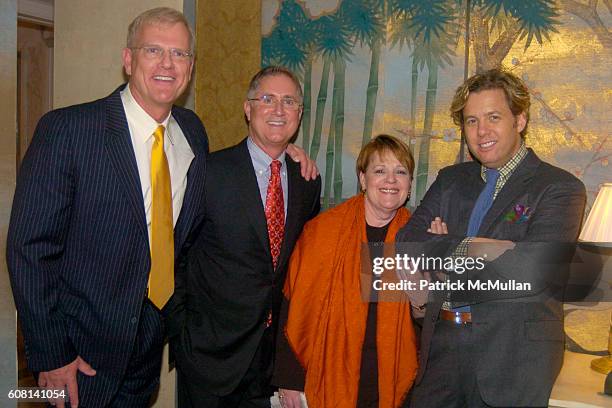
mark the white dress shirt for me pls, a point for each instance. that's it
(178, 153)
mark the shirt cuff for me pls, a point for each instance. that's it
(462, 248)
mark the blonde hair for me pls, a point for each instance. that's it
(515, 90)
(159, 15)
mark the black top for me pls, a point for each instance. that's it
(288, 372)
(368, 378)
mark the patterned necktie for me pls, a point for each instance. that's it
(275, 211)
(483, 203)
(161, 278)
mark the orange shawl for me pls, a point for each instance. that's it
(327, 317)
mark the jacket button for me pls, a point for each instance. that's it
(133, 320)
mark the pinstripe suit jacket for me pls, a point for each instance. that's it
(78, 250)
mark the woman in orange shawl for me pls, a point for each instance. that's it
(352, 351)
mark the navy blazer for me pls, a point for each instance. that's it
(520, 332)
(78, 250)
(231, 283)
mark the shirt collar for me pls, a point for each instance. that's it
(507, 169)
(141, 119)
(261, 160)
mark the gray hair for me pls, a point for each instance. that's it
(273, 70)
(159, 15)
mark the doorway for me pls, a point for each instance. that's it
(34, 99)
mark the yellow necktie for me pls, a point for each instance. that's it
(161, 278)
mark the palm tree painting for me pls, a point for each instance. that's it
(431, 28)
(391, 66)
(366, 21)
(512, 21)
(334, 46)
(291, 44)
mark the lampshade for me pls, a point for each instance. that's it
(598, 226)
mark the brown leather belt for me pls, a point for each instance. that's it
(457, 317)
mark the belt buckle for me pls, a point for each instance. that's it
(458, 319)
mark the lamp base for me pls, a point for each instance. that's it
(602, 365)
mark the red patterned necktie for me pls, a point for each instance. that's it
(275, 211)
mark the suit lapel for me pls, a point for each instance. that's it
(294, 202)
(514, 187)
(194, 191)
(121, 153)
(249, 195)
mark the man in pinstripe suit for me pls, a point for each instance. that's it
(78, 245)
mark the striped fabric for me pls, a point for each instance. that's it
(78, 250)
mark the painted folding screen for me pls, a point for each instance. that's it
(391, 66)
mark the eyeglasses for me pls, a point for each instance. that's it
(157, 53)
(269, 101)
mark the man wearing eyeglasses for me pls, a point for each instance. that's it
(105, 198)
(256, 204)
(106, 192)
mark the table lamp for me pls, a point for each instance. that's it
(597, 231)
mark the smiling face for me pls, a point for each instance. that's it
(271, 127)
(491, 130)
(156, 83)
(386, 183)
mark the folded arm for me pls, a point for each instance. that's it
(539, 257)
(534, 259)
